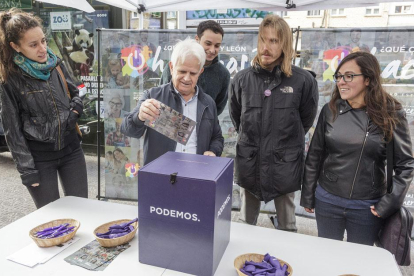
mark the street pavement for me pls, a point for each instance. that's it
(15, 200)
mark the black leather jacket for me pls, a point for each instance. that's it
(347, 158)
(37, 115)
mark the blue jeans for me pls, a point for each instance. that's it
(72, 174)
(360, 224)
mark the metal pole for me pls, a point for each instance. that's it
(296, 44)
(37, 9)
(98, 132)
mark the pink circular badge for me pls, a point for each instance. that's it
(267, 92)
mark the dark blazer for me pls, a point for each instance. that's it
(209, 136)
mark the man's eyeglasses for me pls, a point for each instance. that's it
(346, 77)
(112, 104)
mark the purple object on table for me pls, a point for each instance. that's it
(270, 266)
(273, 261)
(250, 268)
(193, 236)
(118, 230)
(51, 228)
(54, 232)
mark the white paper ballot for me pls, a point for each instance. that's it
(32, 255)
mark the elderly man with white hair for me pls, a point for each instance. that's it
(183, 95)
(115, 103)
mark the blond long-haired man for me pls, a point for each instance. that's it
(273, 105)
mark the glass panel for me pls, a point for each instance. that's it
(398, 9)
(320, 52)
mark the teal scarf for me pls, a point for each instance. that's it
(35, 69)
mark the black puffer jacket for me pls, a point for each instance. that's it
(270, 146)
(347, 158)
(37, 115)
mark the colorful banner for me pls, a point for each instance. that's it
(133, 61)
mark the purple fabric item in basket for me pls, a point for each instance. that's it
(270, 266)
(118, 230)
(54, 232)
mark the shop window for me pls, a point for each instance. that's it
(402, 9)
(314, 13)
(151, 20)
(337, 12)
(372, 11)
(171, 15)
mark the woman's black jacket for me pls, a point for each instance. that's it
(347, 157)
(37, 115)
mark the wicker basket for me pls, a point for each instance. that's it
(54, 241)
(116, 241)
(240, 260)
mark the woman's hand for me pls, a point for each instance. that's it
(35, 185)
(374, 212)
(309, 210)
(72, 119)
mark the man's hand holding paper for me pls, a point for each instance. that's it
(150, 110)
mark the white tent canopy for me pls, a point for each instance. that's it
(184, 5)
(82, 5)
(272, 5)
(123, 4)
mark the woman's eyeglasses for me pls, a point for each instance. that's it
(112, 104)
(346, 77)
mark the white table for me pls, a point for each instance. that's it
(304, 253)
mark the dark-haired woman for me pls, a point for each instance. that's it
(344, 181)
(39, 118)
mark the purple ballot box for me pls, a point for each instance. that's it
(184, 209)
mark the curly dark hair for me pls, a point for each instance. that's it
(13, 25)
(209, 25)
(381, 107)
